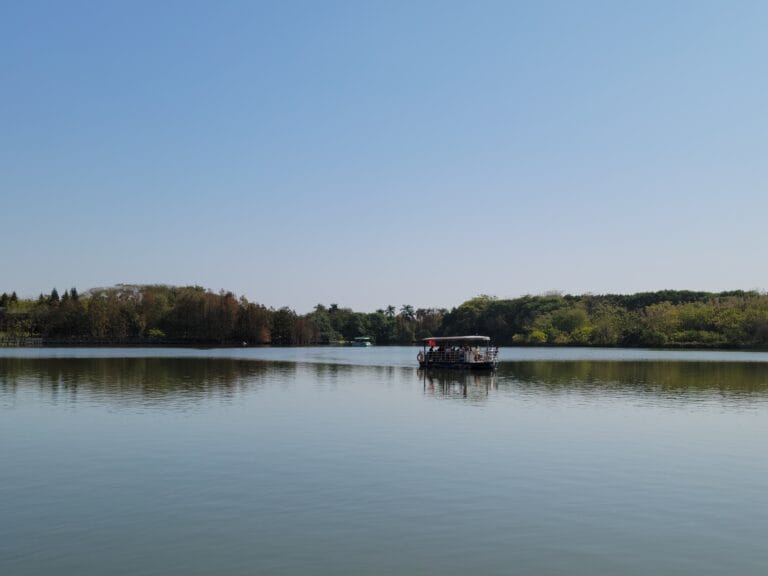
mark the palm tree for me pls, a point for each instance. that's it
(406, 311)
(390, 311)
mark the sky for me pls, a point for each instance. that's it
(367, 154)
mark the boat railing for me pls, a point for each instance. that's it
(460, 356)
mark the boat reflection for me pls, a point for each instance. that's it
(453, 384)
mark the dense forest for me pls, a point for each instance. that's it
(192, 315)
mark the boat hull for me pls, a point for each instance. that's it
(486, 366)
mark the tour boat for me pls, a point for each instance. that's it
(362, 341)
(462, 352)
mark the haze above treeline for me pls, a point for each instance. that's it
(193, 315)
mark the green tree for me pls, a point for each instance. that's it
(407, 312)
(284, 327)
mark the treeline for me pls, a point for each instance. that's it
(194, 315)
(668, 318)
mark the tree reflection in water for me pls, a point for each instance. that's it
(678, 379)
(144, 379)
(163, 379)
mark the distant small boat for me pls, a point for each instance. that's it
(461, 352)
(362, 341)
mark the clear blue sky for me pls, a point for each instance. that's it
(372, 154)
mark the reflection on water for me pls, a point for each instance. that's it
(457, 383)
(131, 378)
(156, 380)
(674, 379)
(191, 379)
(732, 382)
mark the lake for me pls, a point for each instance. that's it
(349, 461)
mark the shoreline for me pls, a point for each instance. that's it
(39, 342)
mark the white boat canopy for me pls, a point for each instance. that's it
(457, 339)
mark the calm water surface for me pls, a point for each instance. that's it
(350, 461)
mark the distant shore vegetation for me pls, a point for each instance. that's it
(191, 315)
